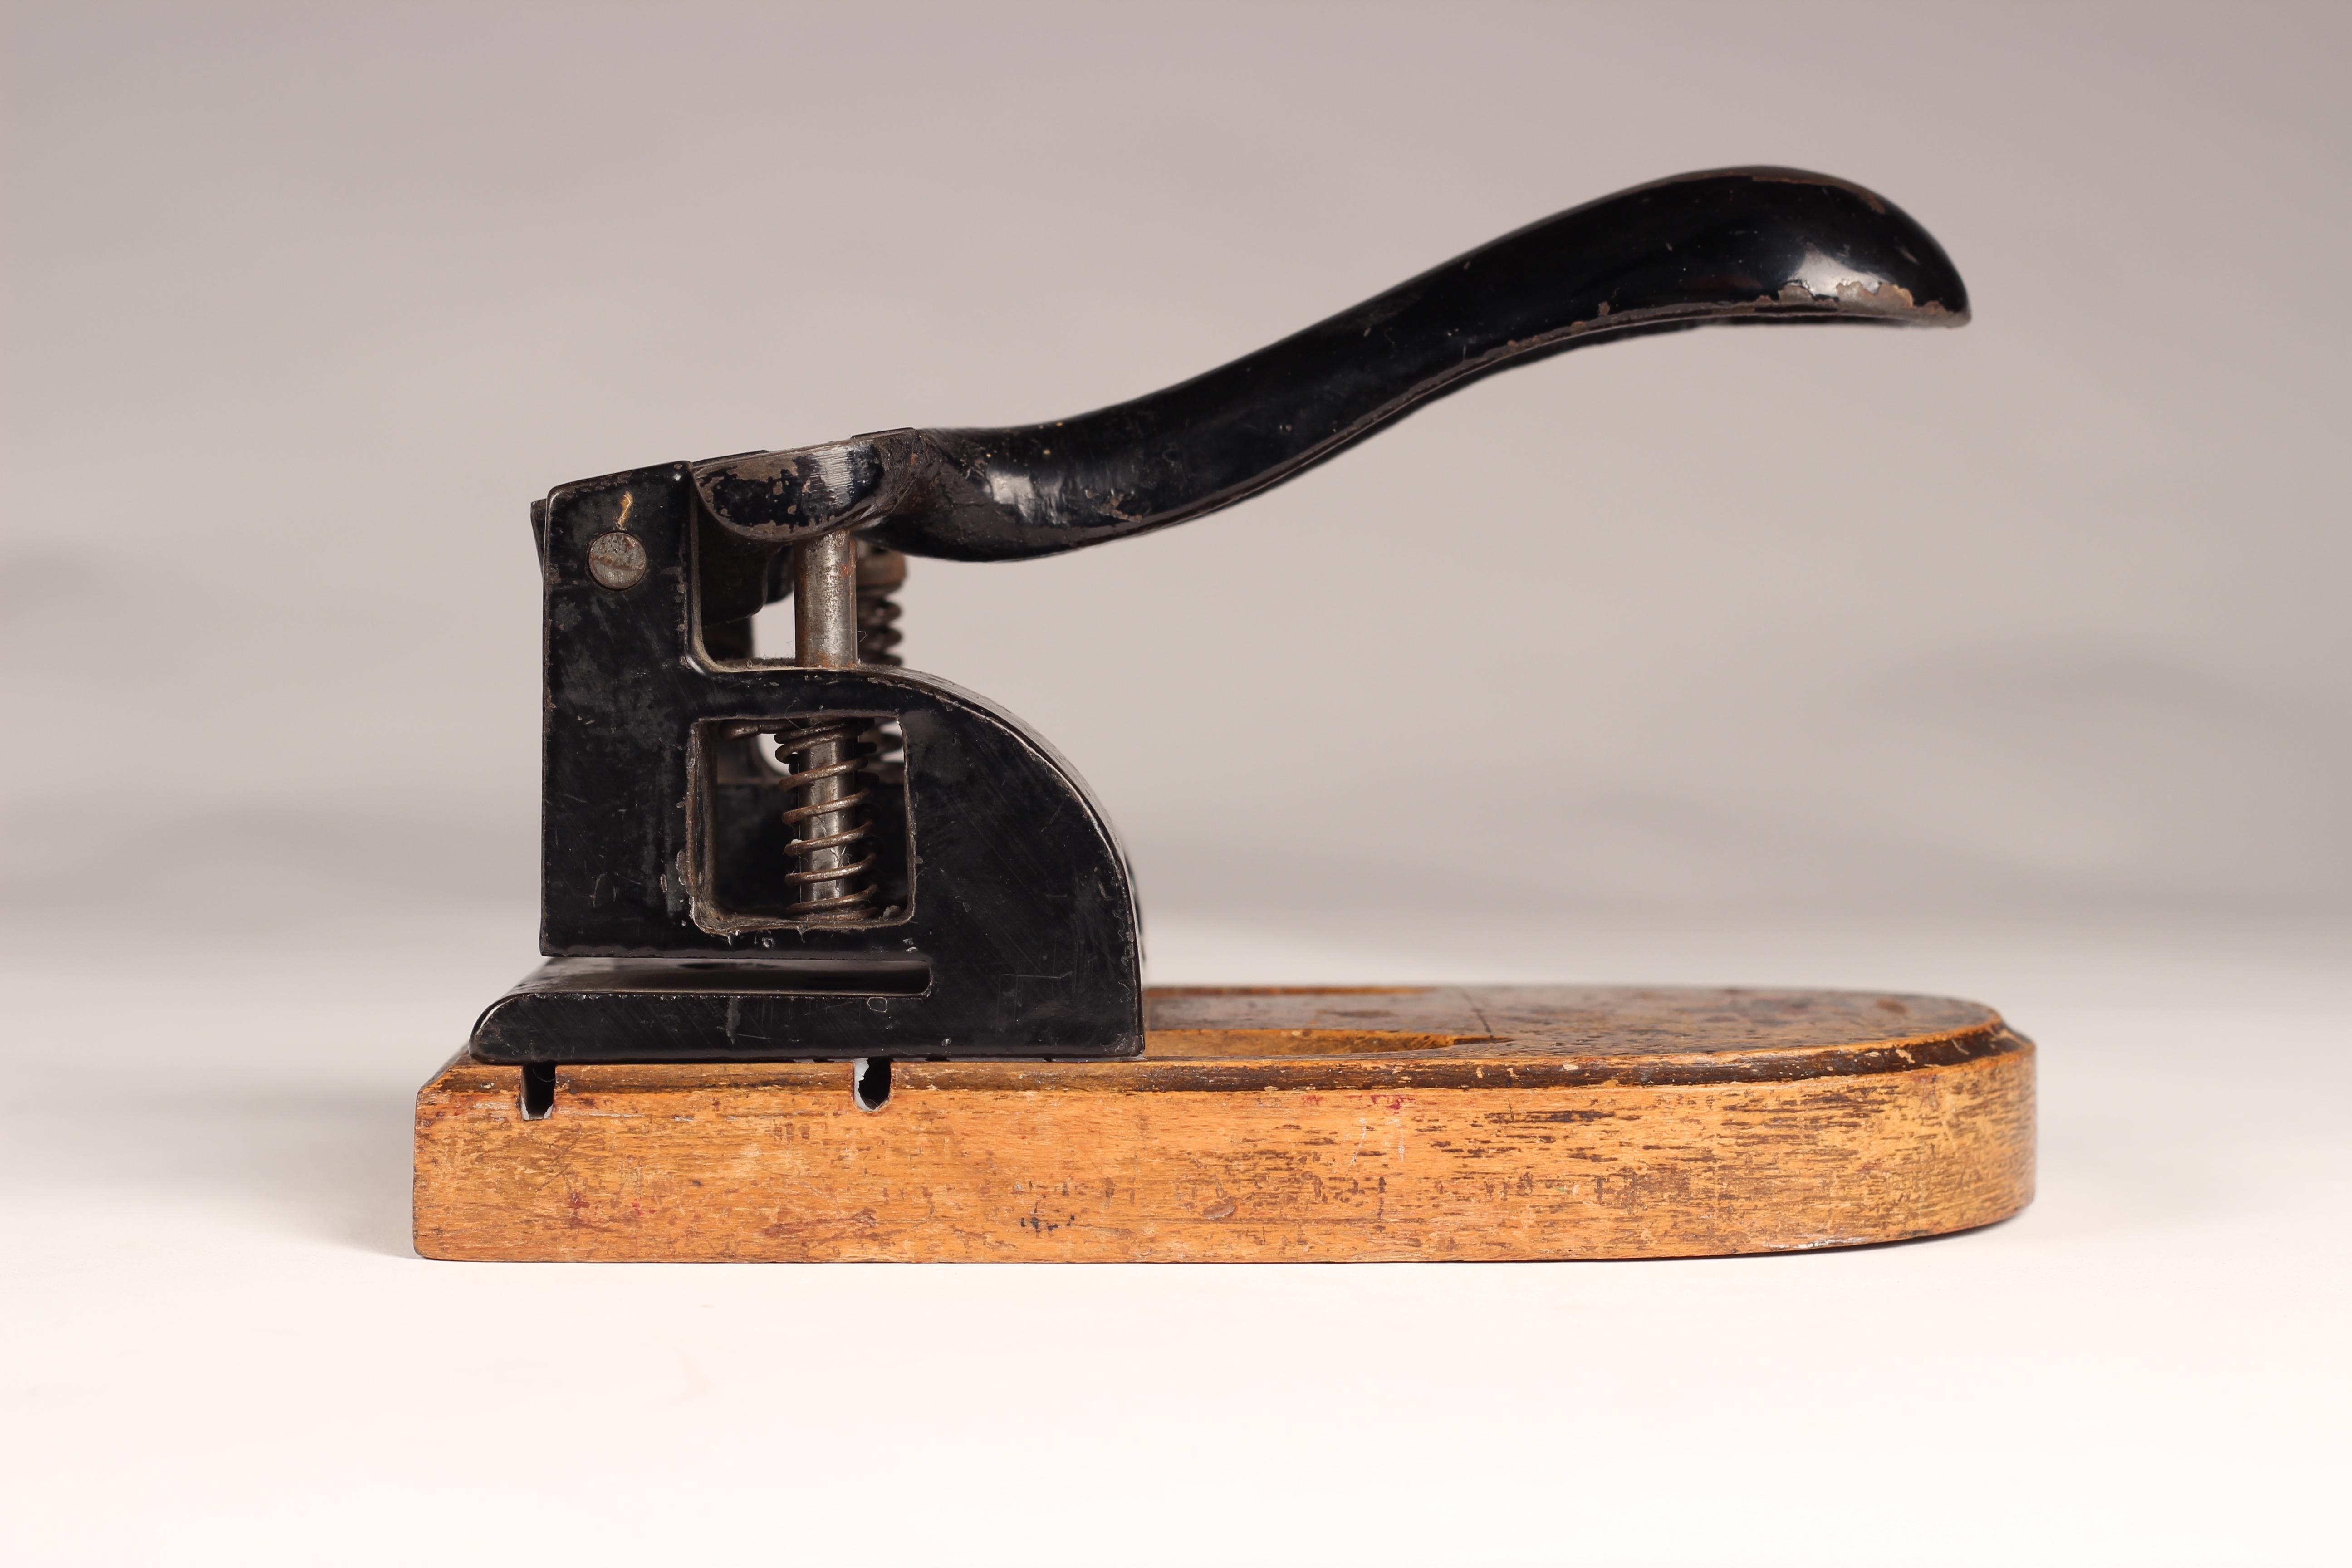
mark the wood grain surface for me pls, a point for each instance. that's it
(1275, 1125)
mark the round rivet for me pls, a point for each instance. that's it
(616, 560)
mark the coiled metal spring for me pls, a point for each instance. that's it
(880, 574)
(827, 822)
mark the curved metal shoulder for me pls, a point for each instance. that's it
(1730, 245)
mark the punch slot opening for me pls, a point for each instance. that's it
(538, 1091)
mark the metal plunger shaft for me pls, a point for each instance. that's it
(829, 843)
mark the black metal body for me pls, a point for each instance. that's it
(1014, 930)
(1005, 922)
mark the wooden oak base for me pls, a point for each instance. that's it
(1275, 1126)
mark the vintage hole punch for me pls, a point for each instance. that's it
(766, 884)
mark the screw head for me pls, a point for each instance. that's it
(616, 560)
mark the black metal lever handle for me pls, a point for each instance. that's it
(1730, 246)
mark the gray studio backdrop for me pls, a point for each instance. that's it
(2043, 620)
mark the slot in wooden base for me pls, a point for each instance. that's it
(1275, 1126)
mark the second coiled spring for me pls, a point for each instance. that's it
(829, 826)
(880, 574)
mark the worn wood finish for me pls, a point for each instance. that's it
(1277, 1125)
